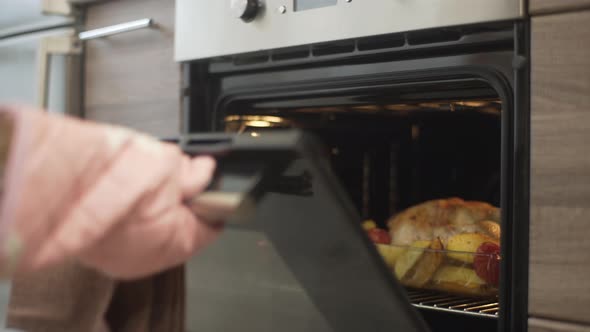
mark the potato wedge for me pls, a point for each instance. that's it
(408, 259)
(462, 247)
(389, 253)
(460, 280)
(460, 276)
(424, 269)
(369, 224)
(492, 228)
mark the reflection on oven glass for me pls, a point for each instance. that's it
(242, 278)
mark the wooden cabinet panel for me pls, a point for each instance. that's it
(560, 167)
(551, 6)
(131, 78)
(542, 325)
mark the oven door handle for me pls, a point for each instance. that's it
(117, 29)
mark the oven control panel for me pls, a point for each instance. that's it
(245, 9)
(206, 28)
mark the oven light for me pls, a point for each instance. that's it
(258, 124)
(257, 121)
(472, 103)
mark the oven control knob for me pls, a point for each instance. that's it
(245, 9)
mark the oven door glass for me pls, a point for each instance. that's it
(295, 260)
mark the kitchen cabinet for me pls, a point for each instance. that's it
(21, 16)
(543, 325)
(30, 74)
(552, 6)
(38, 66)
(58, 299)
(39, 61)
(560, 167)
(131, 78)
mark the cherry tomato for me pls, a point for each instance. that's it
(487, 263)
(378, 235)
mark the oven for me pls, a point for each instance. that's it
(370, 143)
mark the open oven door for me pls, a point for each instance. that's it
(280, 185)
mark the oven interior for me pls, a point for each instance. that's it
(395, 146)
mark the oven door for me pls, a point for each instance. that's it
(280, 265)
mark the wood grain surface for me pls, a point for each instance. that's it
(542, 325)
(553, 6)
(560, 166)
(131, 79)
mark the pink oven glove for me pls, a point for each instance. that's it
(109, 197)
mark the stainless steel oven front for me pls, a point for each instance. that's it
(206, 28)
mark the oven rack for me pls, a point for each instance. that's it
(433, 300)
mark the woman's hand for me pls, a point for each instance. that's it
(109, 197)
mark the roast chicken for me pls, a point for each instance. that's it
(446, 244)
